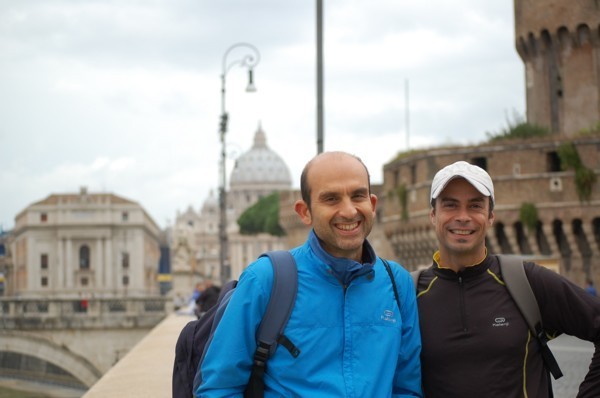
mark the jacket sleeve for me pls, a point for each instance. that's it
(569, 309)
(226, 367)
(407, 380)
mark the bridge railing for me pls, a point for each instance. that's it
(57, 313)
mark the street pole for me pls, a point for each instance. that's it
(250, 60)
(320, 122)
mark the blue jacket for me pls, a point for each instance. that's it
(354, 341)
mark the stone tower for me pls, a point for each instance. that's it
(559, 43)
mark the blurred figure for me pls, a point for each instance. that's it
(590, 288)
(207, 298)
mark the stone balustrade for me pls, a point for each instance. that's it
(78, 313)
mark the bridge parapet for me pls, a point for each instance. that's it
(93, 313)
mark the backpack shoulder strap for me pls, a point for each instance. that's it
(283, 297)
(416, 274)
(388, 268)
(277, 313)
(513, 274)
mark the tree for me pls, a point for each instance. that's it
(262, 217)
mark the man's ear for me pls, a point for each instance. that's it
(373, 202)
(432, 215)
(303, 211)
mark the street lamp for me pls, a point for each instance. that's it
(250, 60)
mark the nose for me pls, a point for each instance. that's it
(347, 208)
(463, 214)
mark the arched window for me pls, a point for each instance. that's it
(562, 243)
(84, 257)
(502, 239)
(542, 240)
(522, 238)
(125, 259)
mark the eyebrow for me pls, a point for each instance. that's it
(472, 200)
(358, 191)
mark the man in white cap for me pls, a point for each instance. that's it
(475, 343)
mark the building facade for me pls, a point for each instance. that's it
(85, 244)
(559, 43)
(195, 244)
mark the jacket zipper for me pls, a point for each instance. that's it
(463, 312)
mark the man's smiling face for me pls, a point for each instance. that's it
(461, 217)
(342, 210)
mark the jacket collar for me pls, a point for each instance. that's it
(468, 272)
(344, 269)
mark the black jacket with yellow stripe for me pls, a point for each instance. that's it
(477, 344)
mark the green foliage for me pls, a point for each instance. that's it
(594, 130)
(408, 153)
(521, 130)
(584, 182)
(528, 215)
(518, 128)
(569, 157)
(402, 193)
(263, 216)
(584, 178)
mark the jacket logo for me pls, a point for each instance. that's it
(388, 316)
(500, 321)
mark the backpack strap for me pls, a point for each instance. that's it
(416, 274)
(277, 313)
(513, 274)
(388, 268)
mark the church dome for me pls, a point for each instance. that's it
(260, 166)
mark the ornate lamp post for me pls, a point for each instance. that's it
(250, 60)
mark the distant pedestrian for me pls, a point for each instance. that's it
(590, 288)
(208, 297)
(198, 288)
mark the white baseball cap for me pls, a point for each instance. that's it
(475, 175)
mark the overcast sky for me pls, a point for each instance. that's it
(124, 96)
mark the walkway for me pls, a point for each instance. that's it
(146, 370)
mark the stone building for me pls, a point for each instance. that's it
(559, 43)
(84, 244)
(195, 246)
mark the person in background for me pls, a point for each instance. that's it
(198, 288)
(475, 343)
(590, 288)
(208, 297)
(354, 339)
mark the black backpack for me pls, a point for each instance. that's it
(196, 335)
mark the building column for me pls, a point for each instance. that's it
(99, 271)
(547, 228)
(57, 281)
(32, 266)
(69, 270)
(108, 266)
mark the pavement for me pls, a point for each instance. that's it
(573, 357)
(146, 370)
